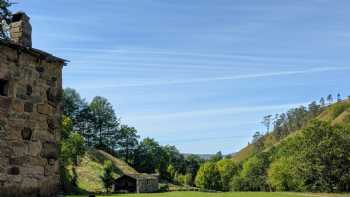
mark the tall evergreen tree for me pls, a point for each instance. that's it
(330, 99)
(267, 122)
(105, 123)
(338, 97)
(322, 102)
(127, 141)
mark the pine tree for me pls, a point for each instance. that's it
(330, 99)
(322, 102)
(338, 97)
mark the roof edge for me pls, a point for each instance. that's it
(34, 51)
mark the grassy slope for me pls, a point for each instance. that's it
(232, 194)
(336, 113)
(90, 170)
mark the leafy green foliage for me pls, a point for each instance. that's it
(316, 159)
(282, 175)
(253, 175)
(339, 108)
(105, 123)
(227, 169)
(323, 159)
(208, 177)
(184, 179)
(100, 128)
(127, 142)
(150, 157)
(107, 177)
(73, 148)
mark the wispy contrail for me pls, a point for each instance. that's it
(211, 79)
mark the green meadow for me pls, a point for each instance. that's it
(229, 194)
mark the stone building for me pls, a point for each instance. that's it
(30, 109)
(139, 183)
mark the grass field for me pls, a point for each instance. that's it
(229, 194)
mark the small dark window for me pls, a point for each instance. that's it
(13, 171)
(27, 133)
(3, 87)
(29, 90)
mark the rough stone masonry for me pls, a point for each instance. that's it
(30, 110)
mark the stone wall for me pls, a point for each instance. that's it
(147, 185)
(30, 97)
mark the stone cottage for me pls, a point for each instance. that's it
(139, 183)
(30, 109)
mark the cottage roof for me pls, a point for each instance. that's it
(139, 176)
(36, 52)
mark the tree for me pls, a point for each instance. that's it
(338, 97)
(283, 176)
(73, 148)
(150, 158)
(258, 141)
(208, 177)
(127, 141)
(324, 159)
(105, 123)
(330, 99)
(315, 159)
(5, 18)
(107, 177)
(175, 158)
(72, 103)
(227, 169)
(322, 102)
(314, 109)
(253, 174)
(267, 122)
(171, 172)
(217, 157)
(193, 162)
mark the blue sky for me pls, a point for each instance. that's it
(198, 74)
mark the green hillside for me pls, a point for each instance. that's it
(337, 113)
(90, 170)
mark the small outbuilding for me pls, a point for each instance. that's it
(139, 183)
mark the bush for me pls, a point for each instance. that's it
(184, 179)
(164, 188)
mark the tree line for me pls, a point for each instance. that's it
(316, 158)
(294, 119)
(95, 125)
